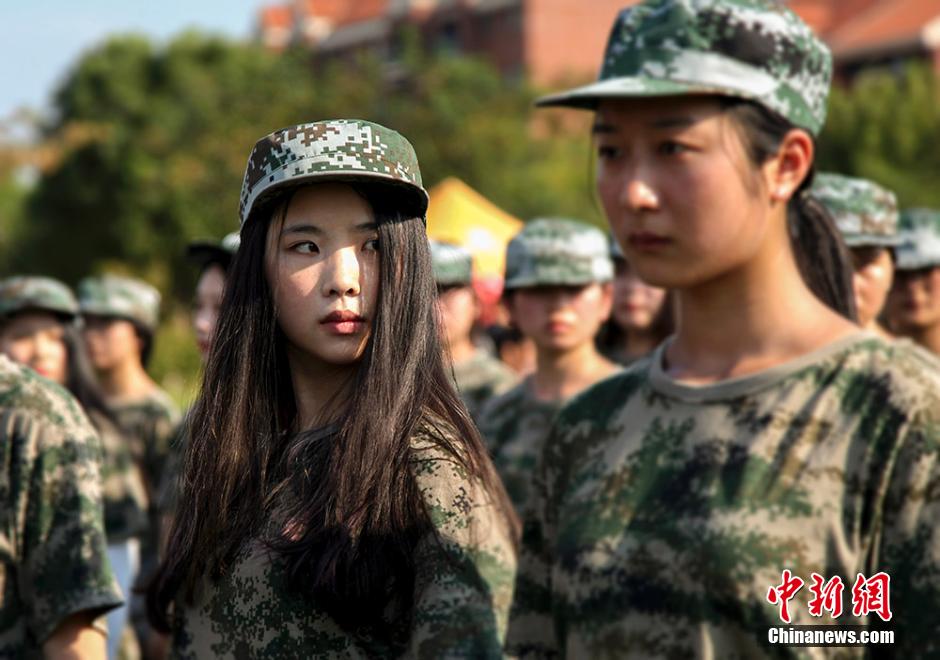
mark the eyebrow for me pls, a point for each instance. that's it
(672, 122)
(600, 128)
(313, 229)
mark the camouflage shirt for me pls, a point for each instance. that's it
(480, 378)
(663, 513)
(125, 498)
(53, 561)
(463, 589)
(150, 426)
(515, 425)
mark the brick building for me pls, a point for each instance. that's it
(555, 40)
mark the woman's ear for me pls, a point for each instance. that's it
(785, 172)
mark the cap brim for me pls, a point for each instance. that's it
(204, 253)
(414, 200)
(588, 96)
(873, 241)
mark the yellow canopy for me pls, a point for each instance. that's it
(458, 214)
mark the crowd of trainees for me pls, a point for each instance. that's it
(333, 495)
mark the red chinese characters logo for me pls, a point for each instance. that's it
(872, 596)
(827, 596)
(783, 593)
(869, 595)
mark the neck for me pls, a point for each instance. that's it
(878, 329)
(559, 375)
(125, 382)
(750, 319)
(927, 336)
(637, 343)
(317, 389)
(463, 350)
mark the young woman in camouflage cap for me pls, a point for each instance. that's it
(867, 216)
(478, 374)
(38, 329)
(641, 316)
(770, 434)
(913, 308)
(336, 500)
(558, 292)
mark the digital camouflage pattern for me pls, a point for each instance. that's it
(752, 49)
(553, 251)
(866, 213)
(28, 292)
(515, 425)
(150, 427)
(124, 494)
(463, 588)
(662, 513)
(53, 559)
(480, 378)
(122, 297)
(453, 265)
(919, 240)
(333, 150)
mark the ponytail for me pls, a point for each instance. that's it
(821, 255)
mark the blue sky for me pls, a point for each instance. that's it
(41, 39)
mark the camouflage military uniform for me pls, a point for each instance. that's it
(919, 240)
(463, 588)
(125, 501)
(664, 512)
(515, 425)
(480, 378)
(546, 252)
(53, 561)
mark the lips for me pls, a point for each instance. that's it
(343, 322)
(644, 240)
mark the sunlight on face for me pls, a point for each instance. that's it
(322, 265)
(678, 189)
(36, 340)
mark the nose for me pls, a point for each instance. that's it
(342, 274)
(638, 194)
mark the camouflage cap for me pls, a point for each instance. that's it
(751, 49)
(452, 264)
(123, 297)
(204, 253)
(865, 213)
(553, 251)
(920, 239)
(338, 150)
(36, 293)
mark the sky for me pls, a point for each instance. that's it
(42, 39)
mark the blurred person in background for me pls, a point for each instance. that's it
(558, 293)
(770, 437)
(642, 315)
(867, 217)
(56, 579)
(336, 500)
(38, 329)
(213, 259)
(913, 309)
(513, 348)
(120, 317)
(479, 375)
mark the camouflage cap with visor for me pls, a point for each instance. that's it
(750, 49)
(865, 213)
(453, 265)
(920, 239)
(554, 251)
(31, 292)
(120, 297)
(338, 150)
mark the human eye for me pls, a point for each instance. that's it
(372, 245)
(672, 148)
(608, 152)
(305, 247)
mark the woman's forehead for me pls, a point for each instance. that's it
(658, 112)
(328, 205)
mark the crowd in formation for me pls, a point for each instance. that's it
(733, 385)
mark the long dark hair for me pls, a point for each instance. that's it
(80, 376)
(821, 255)
(354, 508)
